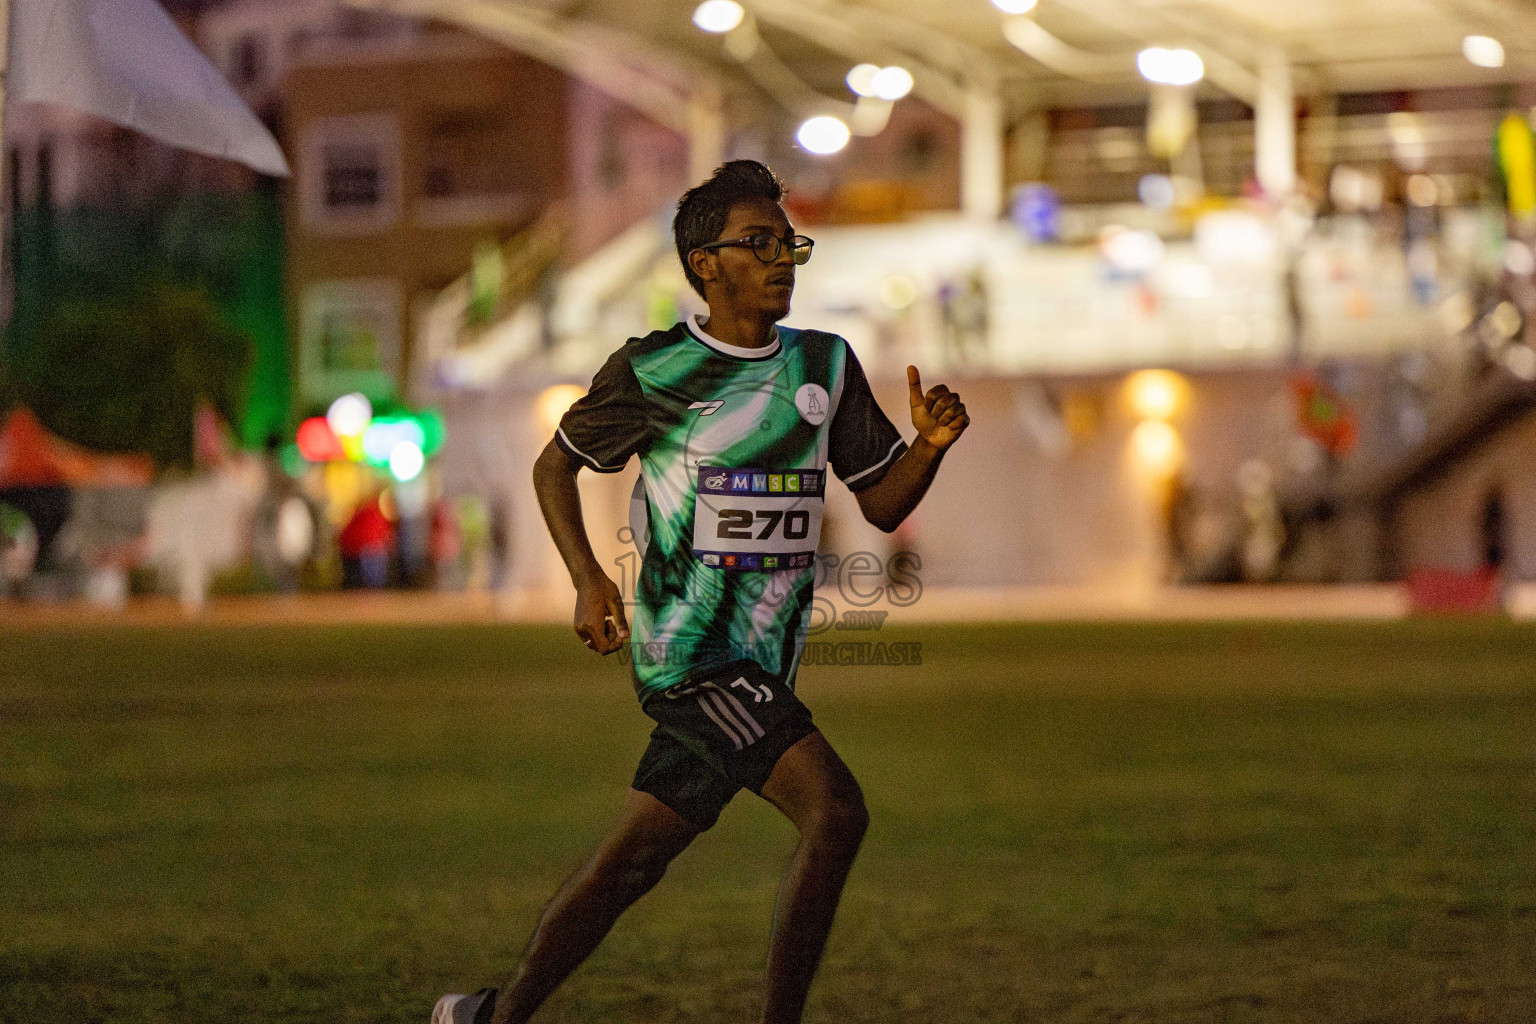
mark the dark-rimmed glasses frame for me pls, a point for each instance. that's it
(799, 247)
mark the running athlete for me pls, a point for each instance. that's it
(735, 422)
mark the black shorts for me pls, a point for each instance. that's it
(718, 734)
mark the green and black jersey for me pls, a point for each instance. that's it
(734, 446)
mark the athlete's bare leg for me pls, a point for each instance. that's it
(625, 867)
(817, 792)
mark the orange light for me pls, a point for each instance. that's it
(553, 402)
(1156, 394)
(1157, 447)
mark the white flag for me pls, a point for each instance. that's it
(128, 62)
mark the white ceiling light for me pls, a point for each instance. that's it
(891, 83)
(349, 415)
(862, 79)
(718, 15)
(823, 135)
(1170, 67)
(1483, 51)
(1014, 6)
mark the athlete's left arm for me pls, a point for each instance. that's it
(940, 419)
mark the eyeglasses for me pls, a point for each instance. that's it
(767, 247)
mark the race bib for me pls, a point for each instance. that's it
(757, 518)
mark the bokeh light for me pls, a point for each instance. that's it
(1156, 191)
(1520, 360)
(349, 415)
(383, 435)
(552, 403)
(891, 83)
(1130, 251)
(317, 441)
(1170, 67)
(823, 135)
(861, 78)
(718, 15)
(1156, 394)
(1518, 259)
(1157, 447)
(898, 291)
(1484, 51)
(406, 461)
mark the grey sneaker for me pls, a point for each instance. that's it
(457, 1009)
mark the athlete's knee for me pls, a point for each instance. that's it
(633, 873)
(839, 822)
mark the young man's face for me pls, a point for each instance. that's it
(736, 274)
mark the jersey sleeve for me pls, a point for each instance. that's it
(608, 424)
(862, 444)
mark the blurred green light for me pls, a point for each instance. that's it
(293, 461)
(386, 432)
(433, 431)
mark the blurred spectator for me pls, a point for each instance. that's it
(365, 544)
(447, 545)
(1264, 529)
(104, 538)
(1493, 533)
(284, 535)
(970, 317)
(34, 480)
(201, 524)
(501, 543)
(475, 540)
(46, 509)
(410, 501)
(18, 551)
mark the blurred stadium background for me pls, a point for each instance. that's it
(1240, 299)
(1238, 296)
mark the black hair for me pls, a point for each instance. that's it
(704, 209)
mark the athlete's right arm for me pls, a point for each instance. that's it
(600, 618)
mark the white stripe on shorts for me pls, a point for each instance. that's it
(704, 704)
(740, 708)
(746, 732)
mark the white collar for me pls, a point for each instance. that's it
(739, 351)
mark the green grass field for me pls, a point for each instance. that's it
(1224, 823)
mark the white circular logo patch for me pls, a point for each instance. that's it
(812, 402)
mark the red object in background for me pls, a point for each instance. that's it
(27, 458)
(807, 210)
(445, 539)
(1323, 415)
(317, 442)
(369, 531)
(210, 445)
(30, 456)
(1454, 590)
